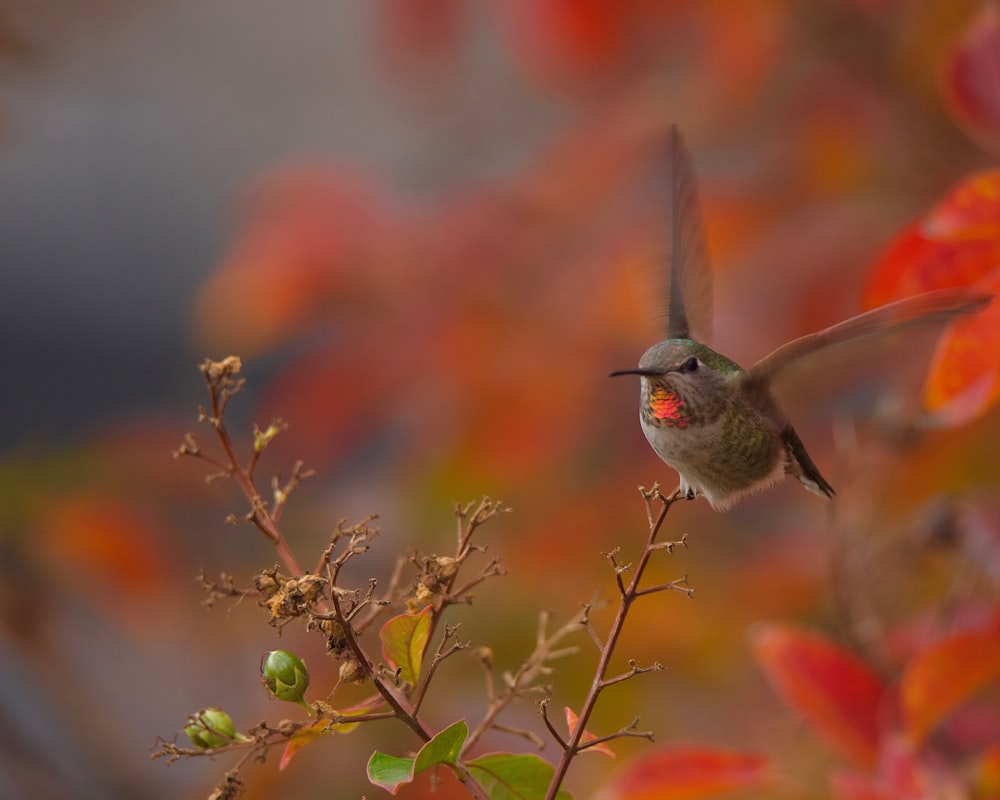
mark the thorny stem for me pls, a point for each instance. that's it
(629, 595)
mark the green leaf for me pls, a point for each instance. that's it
(404, 639)
(391, 772)
(443, 748)
(505, 776)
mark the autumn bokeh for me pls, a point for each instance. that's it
(430, 230)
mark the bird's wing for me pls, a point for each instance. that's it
(689, 290)
(936, 307)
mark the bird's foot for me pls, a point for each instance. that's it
(686, 491)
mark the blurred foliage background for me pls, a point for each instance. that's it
(430, 229)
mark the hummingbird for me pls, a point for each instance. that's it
(717, 424)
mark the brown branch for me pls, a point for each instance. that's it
(627, 732)
(543, 710)
(223, 385)
(439, 656)
(634, 669)
(523, 680)
(629, 596)
(400, 705)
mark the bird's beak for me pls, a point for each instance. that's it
(646, 373)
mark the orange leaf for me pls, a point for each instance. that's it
(986, 779)
(971, 79)
(323, 727)
(956, 243)
(946, 674)
(683, 772)
(307, 236)
(571, 721)
(109, 542)
(831, 687)
(300, 740)
(964, 376)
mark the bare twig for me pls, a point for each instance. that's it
(222, 378)
(634, 669)
(440, 655)
(523, 680)
(626, 732)
(629, 594)
(543, 710)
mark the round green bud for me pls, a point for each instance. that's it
(211, 728)
(285, 676)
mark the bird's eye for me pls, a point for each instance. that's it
(691, 365)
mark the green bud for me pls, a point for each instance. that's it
(286, 677)
(211, 728)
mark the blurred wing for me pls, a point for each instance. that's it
(931, 309)
(689, 289)
(866, 347)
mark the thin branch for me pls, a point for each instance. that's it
(522, 681)
(627, 732)
(531, 736)
(634, 669)
(439, 656)
(629, 596)
(678, 585)
(400, 705)
(492, 569)
(543, 710)
(282, 492)
(223, 384)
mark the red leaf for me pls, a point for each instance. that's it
(330, 408)
(898, 777)
(971, 79)
(857, 786)
(572, 38)
(417, 34)
(682, 772)
(946, 674)
(831, 687)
